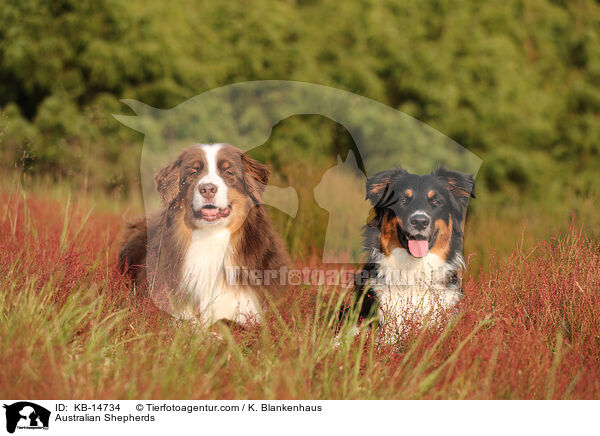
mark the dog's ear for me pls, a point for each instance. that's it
(256, 177)
(167, 181)
(460, 185)
(378, 185)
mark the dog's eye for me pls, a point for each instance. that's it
(403, 200)
(436, 202)
(228, 173)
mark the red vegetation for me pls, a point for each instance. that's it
(528, 327)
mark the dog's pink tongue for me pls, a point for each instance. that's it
(209, 213)
(418, 248)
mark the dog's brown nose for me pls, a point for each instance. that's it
(208, 190)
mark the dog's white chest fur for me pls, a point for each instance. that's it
(204, 280)
(408, 286)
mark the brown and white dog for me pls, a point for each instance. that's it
(414, 244)
(212, 223)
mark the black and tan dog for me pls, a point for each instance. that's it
(414, 244)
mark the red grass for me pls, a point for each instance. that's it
(536, 313)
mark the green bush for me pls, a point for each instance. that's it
(515, 82)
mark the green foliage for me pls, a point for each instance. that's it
(515, 82)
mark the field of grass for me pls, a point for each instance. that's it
(71, 328)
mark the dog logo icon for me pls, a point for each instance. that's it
(26, 415)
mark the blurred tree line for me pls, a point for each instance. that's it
(517, 82)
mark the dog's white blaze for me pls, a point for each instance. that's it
(203, 278)
(409, 285)
(220, 199)
(419, 212)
